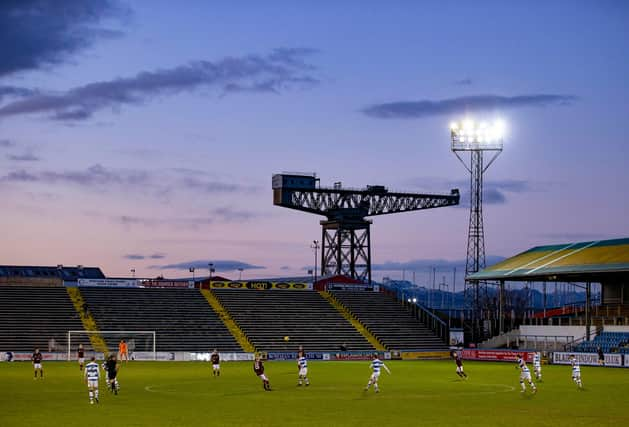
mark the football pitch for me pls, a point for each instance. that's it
(417, 393)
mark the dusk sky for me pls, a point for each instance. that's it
(143, 134)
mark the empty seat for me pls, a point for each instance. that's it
(389, 321)
(182, 318)
(266, 317)
(30, 316)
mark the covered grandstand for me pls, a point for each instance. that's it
(600, 261)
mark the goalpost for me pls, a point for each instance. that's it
(137, 341)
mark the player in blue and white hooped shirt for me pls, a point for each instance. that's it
(576, 371)
(302, 366)
(92, 374)
(537, 365)
(525, 375)
(376, 365)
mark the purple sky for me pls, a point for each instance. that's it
(144, 135)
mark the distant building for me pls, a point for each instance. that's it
(44, 275)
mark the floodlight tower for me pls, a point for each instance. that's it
(476, 139)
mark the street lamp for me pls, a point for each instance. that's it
(315, 247)
(210, 267)
(192, 271)
(133, 273)
(240, 273)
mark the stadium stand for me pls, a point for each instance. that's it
(394, 327)
(305, 317)
(610, 342)
(181, 318)
(31, 316)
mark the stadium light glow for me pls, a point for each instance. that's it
(471, 135)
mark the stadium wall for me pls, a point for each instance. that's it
(615, 328)
(577, 332)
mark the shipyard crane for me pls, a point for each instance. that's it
(345, 234)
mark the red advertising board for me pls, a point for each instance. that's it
(496, 355)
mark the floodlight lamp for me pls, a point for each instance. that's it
(409, 300)
(469, 124)
(454, 126)
(414, 299)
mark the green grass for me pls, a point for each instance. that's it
(417, 393)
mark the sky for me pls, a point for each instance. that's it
(143, 134)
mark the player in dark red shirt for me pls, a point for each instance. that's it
(216, 360)
(258, 368)
(37, 357)
(80, 355)
(459, 364)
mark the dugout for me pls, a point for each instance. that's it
(599, 261)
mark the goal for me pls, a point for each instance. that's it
(138, 342)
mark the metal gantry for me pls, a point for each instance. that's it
(346, 233)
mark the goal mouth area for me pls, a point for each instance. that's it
(106, 342)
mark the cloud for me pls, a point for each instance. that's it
(426, 264)
(217, 215)
(465, 104)
(15, 92)
(284, 268)
(464, 82)
(158, 184)
(203, 186)
(141, 257)
(494, 191)
(94, 176)
(5, 143)
(227, 214)
(26, 157)
(192, 223)
(219, 265)
(283, 68)
(36, 34)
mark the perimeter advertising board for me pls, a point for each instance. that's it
(419, 355)
(169, 284)
(496, 355)
(293, 355)
(587, 359)
(108, 283)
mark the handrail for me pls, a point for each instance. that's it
(424, 314)
(430, 313)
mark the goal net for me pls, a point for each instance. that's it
(140, 344)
